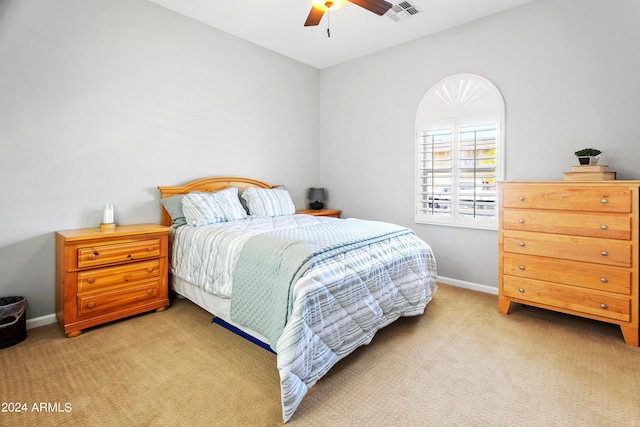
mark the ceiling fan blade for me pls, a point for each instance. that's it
(314, 17)
(379, 7)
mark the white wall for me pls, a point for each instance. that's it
(568, 70)
(104, 100)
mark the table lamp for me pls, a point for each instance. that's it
(316, 198)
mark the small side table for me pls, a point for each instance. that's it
(102, 276)
(334, 213)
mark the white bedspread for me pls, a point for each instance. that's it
(206, 256)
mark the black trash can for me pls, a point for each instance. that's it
(13, 321)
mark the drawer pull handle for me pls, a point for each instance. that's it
(521, 244)
(91, 304)
(149, 291)
(91, 280)
(150, 270)
(522, 267)
(521, 221)
(604, 227)
(604, 280)
(604, 201)
(603, 306)
(604, 253)
(521, 290)
(522, 198)
(93, 255)
(151, 249)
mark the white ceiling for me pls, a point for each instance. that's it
(278, 25)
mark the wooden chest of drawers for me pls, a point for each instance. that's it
(571, 247)
(102, 276)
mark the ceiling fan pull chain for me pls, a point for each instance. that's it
(328, 23)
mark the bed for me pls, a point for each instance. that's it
(311, 288)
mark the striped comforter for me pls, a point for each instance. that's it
(336, 305)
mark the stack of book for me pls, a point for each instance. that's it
(589, 173)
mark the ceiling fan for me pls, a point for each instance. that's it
(319, 7)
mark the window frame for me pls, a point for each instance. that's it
(484, 105)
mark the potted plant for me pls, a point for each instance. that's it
(588, 156)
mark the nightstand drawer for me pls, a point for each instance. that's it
(587, 249)
(116, 277)
(568, 298)
(118, 252)
(104, 302)
(571, 198)
(579, 274)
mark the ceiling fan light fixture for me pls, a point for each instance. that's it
(328, 6)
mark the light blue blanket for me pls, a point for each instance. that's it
(271, 263)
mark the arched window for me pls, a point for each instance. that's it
(459, 152)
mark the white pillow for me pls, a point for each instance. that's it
(232, 207)
(268, 201)
(210, 208)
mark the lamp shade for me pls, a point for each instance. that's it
(316, 198)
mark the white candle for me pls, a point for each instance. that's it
(107, 214)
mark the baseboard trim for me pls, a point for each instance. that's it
(468, 285)
(41, 321)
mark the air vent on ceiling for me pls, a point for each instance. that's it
(402, 11)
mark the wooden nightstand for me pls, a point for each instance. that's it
(103, 276)
(334, 213)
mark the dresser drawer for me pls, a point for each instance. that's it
(573, 273)
(605, 225)
(106, 254)
(587, 249)
(568, 298)
(104, 302)
(570, 198)
(114, 277)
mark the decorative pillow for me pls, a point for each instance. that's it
(173, 205)
(231, 205)
(210, 208)
(268, 201)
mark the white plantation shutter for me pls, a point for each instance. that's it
(435, 173)
(458, 156)
(477, 171)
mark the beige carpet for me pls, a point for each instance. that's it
(460, 364)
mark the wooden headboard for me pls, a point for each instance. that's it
(208, 185)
